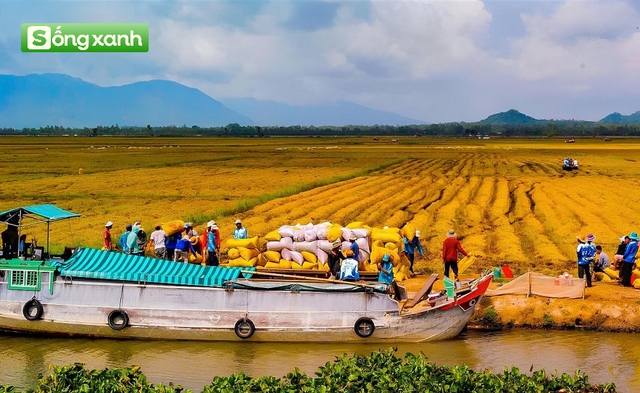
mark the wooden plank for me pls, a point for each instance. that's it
(423, 292)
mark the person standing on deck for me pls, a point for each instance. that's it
(123, 239)
(629, 259)
(450, 248)
(240, 232)
(159, 238)
(385, 275)
(132, 241)
(410, 249)
(335, 256)
(354, 246)
(171, 243)
(212, 247)
(586, 255)
(106, 237)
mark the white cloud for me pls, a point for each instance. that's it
(422, 59)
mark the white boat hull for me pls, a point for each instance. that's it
(82, 307)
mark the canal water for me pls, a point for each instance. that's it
(604, 357)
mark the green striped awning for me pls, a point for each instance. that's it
(92, 263)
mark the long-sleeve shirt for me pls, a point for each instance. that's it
(631, 251)
(386, 278)
(132, 241)
(586, 253)
(240, 233)
(172, 241)
(410, 246)
(450, 248)
(123, 241)
(356, 250)
(184, 245)
(211, 242)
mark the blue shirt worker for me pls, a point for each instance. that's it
(122, 242)
(349, 268)
(410, 248)
(211, 244)
(385, 275)
(586, 255)
(132, 241)
(629, 259)
(354, 246)
(240, 232)
(182, 250)
(385, 270)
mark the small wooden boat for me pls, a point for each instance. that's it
(112, 295)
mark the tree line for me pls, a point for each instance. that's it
(544, 129)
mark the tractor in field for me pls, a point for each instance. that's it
(569, 164)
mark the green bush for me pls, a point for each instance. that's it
(490, 316)
(380, 371)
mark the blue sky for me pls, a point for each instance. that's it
(437, 61)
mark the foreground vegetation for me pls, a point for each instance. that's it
(380, 371)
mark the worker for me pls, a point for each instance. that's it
(240, 232)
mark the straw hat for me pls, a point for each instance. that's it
(108, 224)
(238, 222)
(451, 233)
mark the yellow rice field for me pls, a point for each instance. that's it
(508, 200)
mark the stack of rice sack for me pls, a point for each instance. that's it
(244, 252)
(308, 246)
(389, 241)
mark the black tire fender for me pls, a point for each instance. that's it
(33, 310)
(364, 327)
(244, 328)
(118, 319)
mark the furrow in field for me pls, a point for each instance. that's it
(312, 198)
(503, 243)
(401, 206)
(558, 223)
(529, 229)
(445, 213)
(349, 205)
(607, 222)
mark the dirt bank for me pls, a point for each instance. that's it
(606, 307)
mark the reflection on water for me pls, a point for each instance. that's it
(605, 357)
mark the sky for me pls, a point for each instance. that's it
(435, 61)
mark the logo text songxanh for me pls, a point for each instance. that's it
(85, 37)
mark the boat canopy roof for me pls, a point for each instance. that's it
(97, 264)
(39, 213)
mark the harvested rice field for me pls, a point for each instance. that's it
(509, 200)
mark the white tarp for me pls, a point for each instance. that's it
(540, 285)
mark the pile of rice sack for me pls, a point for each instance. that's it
(307, 247)
(244, 252)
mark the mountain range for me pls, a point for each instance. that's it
(38, 100)
(514, 118)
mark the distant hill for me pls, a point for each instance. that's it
(616, 117)
(510, 117)
(39, 100)
(340, 113)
